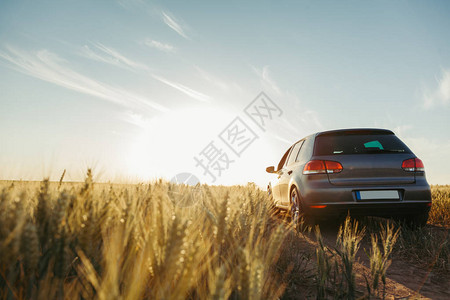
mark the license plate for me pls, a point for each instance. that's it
(377, 195)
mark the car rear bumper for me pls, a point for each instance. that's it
(321, 198)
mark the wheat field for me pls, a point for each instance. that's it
(164, 241)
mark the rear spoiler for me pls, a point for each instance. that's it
(363, 131)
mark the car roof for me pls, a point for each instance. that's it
(352, 131)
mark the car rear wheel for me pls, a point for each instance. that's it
(297, 212)
(294, 209)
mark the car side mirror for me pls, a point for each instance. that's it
(270, 169)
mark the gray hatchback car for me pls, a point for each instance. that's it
(367, 172)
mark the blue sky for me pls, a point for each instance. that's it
(137, 89)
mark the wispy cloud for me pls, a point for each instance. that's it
(214, 80)
(174, 24)
(136, 119)
(51, 68)
(267, 82)
(111, 56)
(401, 130)
(282, 139)
(102, 53)
(168, 18)
(184, 89)
(159, 45)
(441, 95)
(298, 119)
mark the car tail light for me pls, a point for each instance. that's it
(314, 167)
(419, 165)
(322, 167)
(413, 165)
(333, 166)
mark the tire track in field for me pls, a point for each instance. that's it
(405, 279)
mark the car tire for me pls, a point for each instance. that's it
(294, 208)
(297, 212)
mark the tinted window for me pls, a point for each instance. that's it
(294, 153)
(359, 144)
(305, 151)
(283, 160)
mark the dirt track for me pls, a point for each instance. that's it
(406, 279)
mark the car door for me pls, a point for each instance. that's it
(275, 183)
(285, 173)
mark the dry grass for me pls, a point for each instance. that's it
(335, 275)
(440, 210)
(428, 246)
(133, 241)
(166, 241)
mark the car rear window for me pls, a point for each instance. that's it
(359, 144)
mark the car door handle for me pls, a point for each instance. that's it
(289, 172)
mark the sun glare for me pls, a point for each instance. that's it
(168, 143)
